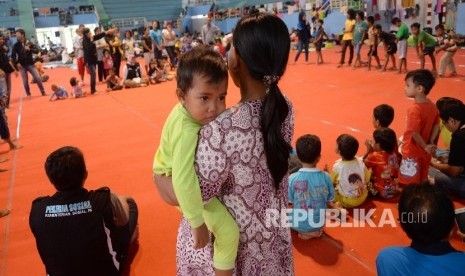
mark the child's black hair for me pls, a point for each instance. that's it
(386, 138)
(66, 168)
(422, 77)
(371, 19)
(361, 14)
(73, 81)
(105, 51)
(321, 21)
(351, 13)
(444, 101)
(439, 27)
(347, 146)
(269, 36)
(378, 27)
(308, 148)
(202, 61)
(384, 113)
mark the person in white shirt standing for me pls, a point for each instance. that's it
(78, 51)
(208, 32)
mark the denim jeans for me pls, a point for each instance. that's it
(33, 71)
(91, 68)
(4, 130)
(302, 45)
(455, 185)
(8, 89)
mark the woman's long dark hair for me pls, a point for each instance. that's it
(263, 43)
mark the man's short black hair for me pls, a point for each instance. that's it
(395, 20)
(21, 31)
(415, 25)
(384, 113)
(386, 138)
(308, 148)
(203, 61)
(422, 77)
(347, 146)
(439, 26)
(66, 168)
(426, 213)
(453, 109)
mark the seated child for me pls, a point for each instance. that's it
(113, 81)
(58, 92)
(165, 67)
(383, 115)
(40, 70)
(384, 164)
(154, 73)
(202, 73)
(310, 189)
(350, 174)
(77, 88)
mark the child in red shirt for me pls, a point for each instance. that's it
(422, 128)
(384, 163)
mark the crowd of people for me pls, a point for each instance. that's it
(198, 158)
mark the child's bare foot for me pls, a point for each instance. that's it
(3, 170)
(3, 160)
(339, 65)
(310, 235)
(382, 70)
(15, 147)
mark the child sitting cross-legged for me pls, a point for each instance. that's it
(350, 174)
(384, 163)
(310, 189)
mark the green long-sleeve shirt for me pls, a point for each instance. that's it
(175, 158)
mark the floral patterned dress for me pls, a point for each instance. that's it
(231, 164)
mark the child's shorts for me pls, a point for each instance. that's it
(349, 202)
(428, 51)
(414, 170)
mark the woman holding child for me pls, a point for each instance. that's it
(242, 155)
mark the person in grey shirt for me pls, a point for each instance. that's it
(208, 32)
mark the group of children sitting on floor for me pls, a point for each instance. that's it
(387, 164)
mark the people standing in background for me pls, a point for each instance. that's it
(424, 45)
(347, 38)
(156, 36)
(448, 45)
(117, 52)
(169, 39)
(101, 45)
(147, 48)
(401, 39)
(128, 44)
(78, 51)
(209, 31)
(6, 68)
(303, 28)
(22, 57)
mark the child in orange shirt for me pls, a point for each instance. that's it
(422, 128)
(384, 163)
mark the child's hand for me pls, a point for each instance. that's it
(430, 148)
(369, 145)
(326, 168)
(201, 236)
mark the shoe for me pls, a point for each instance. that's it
(4, 212)
(44, 94)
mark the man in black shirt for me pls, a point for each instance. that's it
(81, 232)
(90, 52)
(452, 175)
(6, 68)
(22, 57)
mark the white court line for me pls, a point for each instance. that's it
(9, 198)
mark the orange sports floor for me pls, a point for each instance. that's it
(119, 133)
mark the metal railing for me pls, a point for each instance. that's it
(129, 22)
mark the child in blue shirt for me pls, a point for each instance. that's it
(59, 93)
(310, 189)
